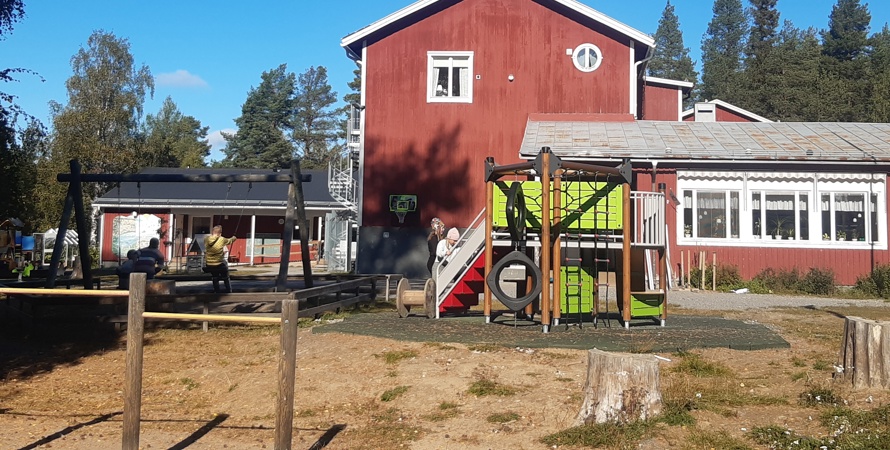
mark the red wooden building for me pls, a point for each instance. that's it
(446, 83)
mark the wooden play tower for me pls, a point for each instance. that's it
(582, 227)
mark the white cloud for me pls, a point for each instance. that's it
(180, 78)
(216, 140)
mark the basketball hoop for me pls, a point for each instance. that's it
(402, 205)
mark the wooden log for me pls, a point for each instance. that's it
(406, 298)
(620, 387)
(133, 376)
(864, 360)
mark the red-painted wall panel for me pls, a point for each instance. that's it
(660, 103)
(437, 150)
(725, 115)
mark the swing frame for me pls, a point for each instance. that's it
(295, 207)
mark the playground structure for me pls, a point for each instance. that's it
(579, 225)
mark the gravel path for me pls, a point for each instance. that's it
(727, 301)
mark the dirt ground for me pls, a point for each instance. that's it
(218, 389)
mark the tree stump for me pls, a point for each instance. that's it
(864, 360)
(620, 387)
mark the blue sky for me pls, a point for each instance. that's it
(207, 55)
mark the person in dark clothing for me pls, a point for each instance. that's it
(432, 241)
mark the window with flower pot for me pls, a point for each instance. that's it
(799, 209)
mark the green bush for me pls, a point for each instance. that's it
(783, 281)
(818, 282)
(876, 283)
(728, 277)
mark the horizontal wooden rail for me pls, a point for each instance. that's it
(211, 317)
(65, 292)
(332, 288)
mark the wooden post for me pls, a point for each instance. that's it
(80, 221)
(303, 221)
(489, 244)
(662, 282)
(133, 380)
(701, 268)
(60, 238)
(625, 253)
(620, 387)
(864, 359)
(287, 367)
(689, 269)
(288, 235)
(714, 271)
(683, 282)
(546, 251)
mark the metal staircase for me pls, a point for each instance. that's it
(452, 272)
(342, 182)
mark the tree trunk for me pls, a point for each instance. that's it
(864, 360)
(620, 387)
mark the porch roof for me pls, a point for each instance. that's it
(219, 195)
(710, 141)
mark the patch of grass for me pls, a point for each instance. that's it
(822, 365)
(392, 373)
(189, 383)
(485, 348)
(502, 417)
(777, 437)
(677, 413)
(797, 376)
(446, 410)
(848, 430)
(306, 413)
(608, 435)
(386, 430)
(439, 346)
(819, 396)
(394, 393)
(485, 387)
(564, 379)
(715, 440)
(798, 362)
(394, 356)
(693, 364)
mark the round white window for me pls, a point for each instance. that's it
(587, 57)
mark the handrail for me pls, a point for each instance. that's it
(471, 242)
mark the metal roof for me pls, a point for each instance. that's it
(710, 141)
(221, 195)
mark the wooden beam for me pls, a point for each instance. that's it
(80, 221)
(210, 317)
(287, 236)
(304, 225)
(133, 377)
(283, 177)
(287, 368)
(64, 292)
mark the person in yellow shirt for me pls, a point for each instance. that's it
(215, 257)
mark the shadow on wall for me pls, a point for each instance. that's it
(443, 181)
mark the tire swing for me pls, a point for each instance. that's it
(515, 211)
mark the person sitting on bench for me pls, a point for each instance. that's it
(151, 260)
(215, 257)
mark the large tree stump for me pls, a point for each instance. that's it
(620, 387)
(865, 353)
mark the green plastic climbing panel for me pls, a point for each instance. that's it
(592, 205)
(646, 304)
(578, 289)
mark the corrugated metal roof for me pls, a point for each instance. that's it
(780, 141)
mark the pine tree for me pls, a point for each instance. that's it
(723, 46)
(671, 59)
(797, 94)
(316, 124)
(762, 70)
(266, 115)
(879, 59)
(174, 139)
(845, 46)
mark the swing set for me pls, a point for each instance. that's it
(295, 211)
(568, 226)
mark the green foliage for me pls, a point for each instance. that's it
(818, 396)
(815, 282)
(394, 393)
(848, 430)
(266, 118)
(875, 284)
(393, 357)
(693, 364)
(173, 139)
(715, 440)
(316, 127)
(11, 11)
(484, 387)
(671, 59)
(847, 35)
(605, 435)
(777, 437)
(502, 417)
(722, 51)
(728, 277)
(677, 413)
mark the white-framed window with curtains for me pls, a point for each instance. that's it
(449, 77)
(795, 209)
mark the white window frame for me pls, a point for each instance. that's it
(591, 48)
(452, 60)
(814, 185)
